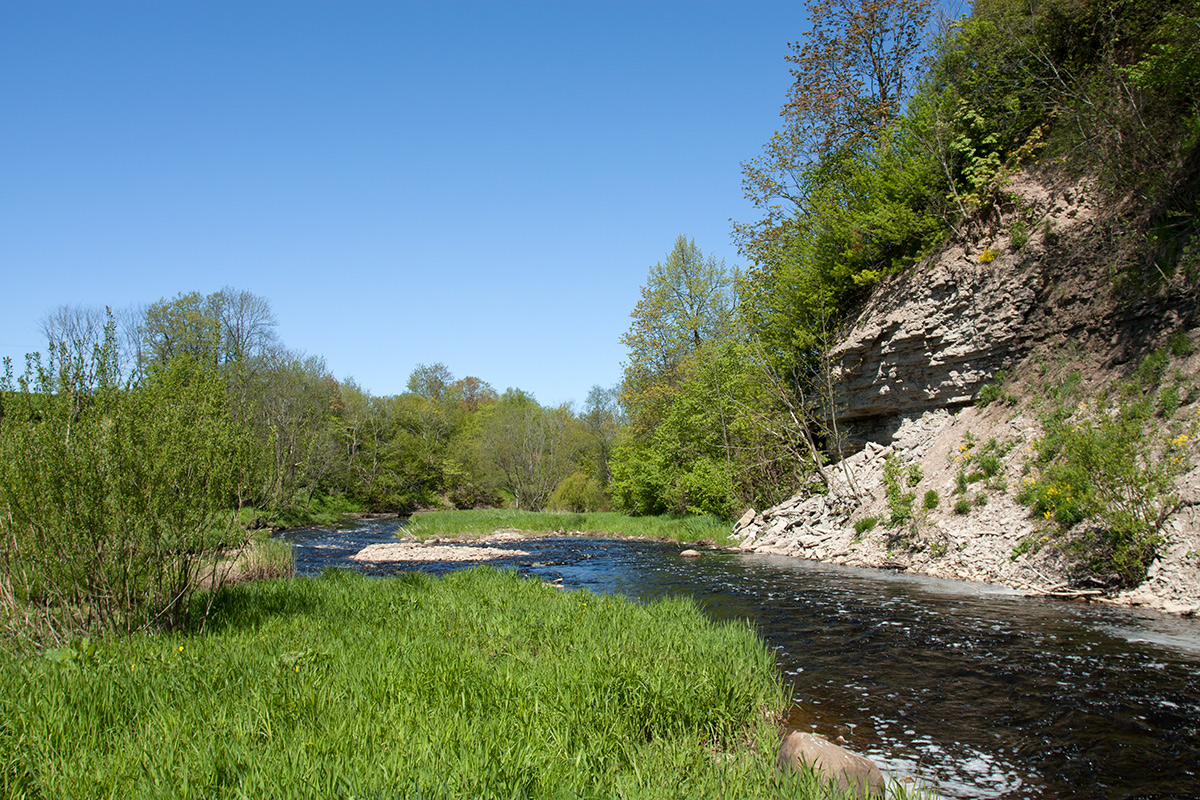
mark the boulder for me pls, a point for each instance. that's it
(690, 553)
(846, 770)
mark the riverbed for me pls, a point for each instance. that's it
(968, 687)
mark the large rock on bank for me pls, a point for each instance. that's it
(846, 770)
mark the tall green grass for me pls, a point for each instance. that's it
(425, 525)
(477, 684)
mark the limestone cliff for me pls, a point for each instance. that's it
(913, 360)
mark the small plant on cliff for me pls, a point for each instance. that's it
(962, 507)
(931, 500)
(995, 392)
(865, 524)
(1019, 234)
(900, 502)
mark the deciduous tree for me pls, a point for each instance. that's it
(686, 301)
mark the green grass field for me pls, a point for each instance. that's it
(426, 525)
(477, 684)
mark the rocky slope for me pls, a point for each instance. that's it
(914, 360)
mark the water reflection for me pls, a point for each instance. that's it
(984, 693)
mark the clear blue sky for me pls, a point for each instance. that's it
(483, 184)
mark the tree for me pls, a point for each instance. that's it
(851, 77)
(685, 302)
(187, 324)
(247, 324)
(430, 381)
(225, 327)
(601, 419)
(527, 449)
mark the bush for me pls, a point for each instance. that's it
(931, 500)
(962, 506)
(994, 392)
(1180, 345)
(900, 502)
(115, 498)
(578, 492)
(1149, 372)
(865, 524)
(1109, 468)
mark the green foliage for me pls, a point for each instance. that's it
(526, 449)
(479, 684)
(578, 492)
(962, 506)
(1018, 235)
(686, 302)
(1180, 345)
(1109, 466)
(913, 475)
(1150, 370)
(722, 443)
(899, 502)
(931, 499)
(1169, 400)
(995, 392)
(865, 524)
(114, 497)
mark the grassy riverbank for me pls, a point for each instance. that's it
(478, 684)
(689, 529)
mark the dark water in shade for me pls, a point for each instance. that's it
(977, 692)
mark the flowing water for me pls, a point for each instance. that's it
(975, 691)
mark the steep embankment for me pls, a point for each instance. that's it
(1044, 297)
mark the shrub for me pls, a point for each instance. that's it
(1149, 372)
(1180, 345)
(115, 497)
(962, 507)
(578, 492)
(1112, 471)
(994, 392)
(931, 500)
(1169, 400)
(988, 394)
(913, 475)
(865, 524)
(1019, 234)
(899, 502)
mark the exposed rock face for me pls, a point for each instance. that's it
(915, 357)
(931, 337)
(848, 771)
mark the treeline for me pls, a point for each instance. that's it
(308, 438)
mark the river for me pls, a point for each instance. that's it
(975, 691)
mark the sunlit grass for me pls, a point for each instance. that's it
(431, 524)
(477, 684)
